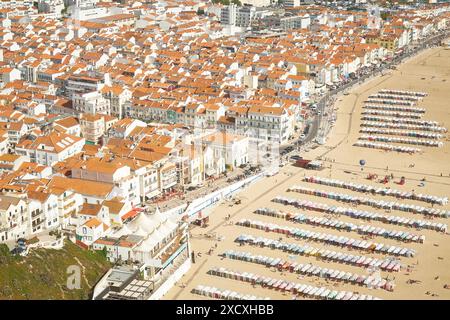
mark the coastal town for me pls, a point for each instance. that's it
(298, 148)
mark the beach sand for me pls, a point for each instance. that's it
(428, 72)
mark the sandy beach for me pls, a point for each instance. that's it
(429, 269)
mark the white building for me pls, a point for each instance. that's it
(92, 102)
(8, 74)
(232, 148)
(111, 172)
(84, 83)
(228, 15)
(13, 218)
(291, 3)
(92, 127)
(258, 3)
(48, 206)
(123, 128)
(49, 149)
(157, 245)
(91, 230)
(50, 6)
(241, 16)
(69, 125)
(118, 97)
(269, 124)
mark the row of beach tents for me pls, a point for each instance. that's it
(404, 93)
(403, 133)
(390, 101)
(331, 239)
(361, 214)
(358, 187)
(303, 290)
(395, 125)
(380, 204)
(395, 114)
(388, 107)
(393, 96)
(390, 264)
(396, 120)
(312, 270)
(347, 226)
(386, 147)
(215, 293)
(417, 142)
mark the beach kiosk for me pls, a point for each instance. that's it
(201, 220)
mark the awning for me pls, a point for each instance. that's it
(131, 214)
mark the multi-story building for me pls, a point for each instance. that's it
(168, 176)
(233, 149)
(291, 3)
(8, 74)
(14, 218)
(49, 149)
(91, 102)
(11, 162)
(85, 83)
(228, 15)
(158, 247)
(51, 6)
(92, 127)
(46, 215)
(118, 98)
(148, 181)
(258, 3)
(15, 131)
(11, 4)
(111, 172)
(69, 125)
(68, 202)
(124, 127)
(245, 16)
(24, 215)
(262, 123)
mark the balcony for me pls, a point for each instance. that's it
(69, 205)
(37, 223)
(36, 213)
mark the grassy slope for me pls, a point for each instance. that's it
(42, 274)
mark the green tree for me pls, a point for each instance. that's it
(104, 252)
